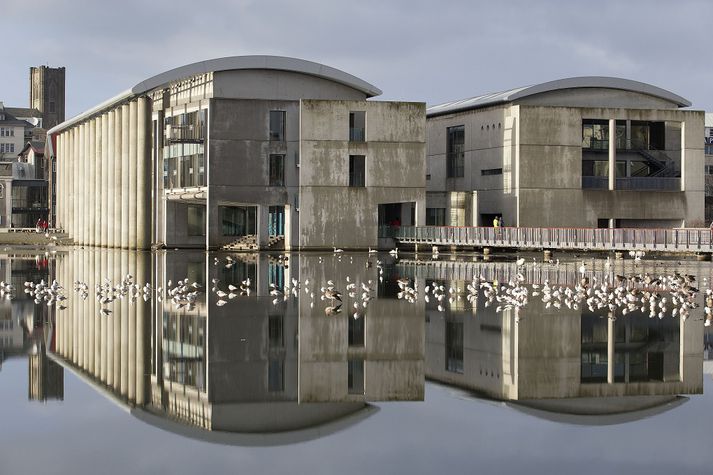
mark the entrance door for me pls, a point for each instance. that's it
(276, 221)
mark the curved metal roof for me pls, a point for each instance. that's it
(230, 63)
(279, 63)
(559, 84)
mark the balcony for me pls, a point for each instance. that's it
(638, 183)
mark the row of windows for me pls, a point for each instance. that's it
(7, 131)
(7, 147)
(357, 126)
(357, 170)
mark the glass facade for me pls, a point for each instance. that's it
(238, 220)
(184, 150)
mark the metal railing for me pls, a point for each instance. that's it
(649, 183)
(673, 240)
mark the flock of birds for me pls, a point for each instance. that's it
(616, 295)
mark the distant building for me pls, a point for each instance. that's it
(578, 152)
(12, 134)
(47, 94)
(250, 152)
(709, 166)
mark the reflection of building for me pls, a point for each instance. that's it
(579, 152)
(564, 361)
(249, 367)
(45, 377)
(252, 151)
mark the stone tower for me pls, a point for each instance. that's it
(47, 94)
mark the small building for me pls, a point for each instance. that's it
(248, 152)
(577, 152)
(12, 134)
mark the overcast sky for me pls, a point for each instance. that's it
(431, 51)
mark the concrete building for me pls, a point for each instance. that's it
(709, 166)
(47, 94)
(12, 134)
(578, 152)
(253, 152)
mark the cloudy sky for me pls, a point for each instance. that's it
(418, 50)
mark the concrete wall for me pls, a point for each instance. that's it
(278, 85)
(331, 212)
(597, 97)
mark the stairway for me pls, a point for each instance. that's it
(243, 243)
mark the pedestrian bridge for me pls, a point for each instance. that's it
(624, 239)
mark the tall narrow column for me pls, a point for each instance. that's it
(91, 183)
(132, 174)
(612, 154)
(143, 176)
(103, 239)
(125, 176)
(74, 171)
(97, 181)
(610, 350)
(115, 174)
(84, 202)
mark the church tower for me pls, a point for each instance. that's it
(47, 94)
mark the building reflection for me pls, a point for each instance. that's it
(560, 363)
(252, 366)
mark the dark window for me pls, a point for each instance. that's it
(355, 376)
(357, 126)
(195, 220)
(276, 375)
(277, 126)
(435, 216)
(595, 134)
(356, 331)
(454, 347)
(357, 170)
(455, 149)
(238, 220)
(275, 331)
(277, 170)
(491, 171)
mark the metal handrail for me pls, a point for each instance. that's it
(675, 239)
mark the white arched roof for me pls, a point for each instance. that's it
(512, 95)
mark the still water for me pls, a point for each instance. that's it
(352, 363)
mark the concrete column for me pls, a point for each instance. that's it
(104, 235)
(103, 320)
(56, 184)
(114, 175)
(125, 176)
(612, 154)
(131, 359)
(84, 186)
(112, 318)
(143, 175)
(124, 338)
(610, 350)
(683, 157)
(91, 183)
(262, 223)
(98, 139)
(143, 311)
(132, 174)
(73, 174)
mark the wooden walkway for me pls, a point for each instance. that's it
(696, 240)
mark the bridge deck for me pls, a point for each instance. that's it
(625, 239)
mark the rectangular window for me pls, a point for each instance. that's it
(277, 170)
(595, 134)
(275, 331)
(356, 331)
(357, 170)
(435, 216)
(195, 220)
(491, 171)
(454, 347)
(238, 220)
(355, 376)
(357, 126)
(276, 375)
(455, 151)
(277, 126)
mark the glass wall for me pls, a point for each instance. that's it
(238, 220)
(184, 150)
(455, 150)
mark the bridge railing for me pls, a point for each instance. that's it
(681, 239)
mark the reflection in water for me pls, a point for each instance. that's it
(273, 367)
